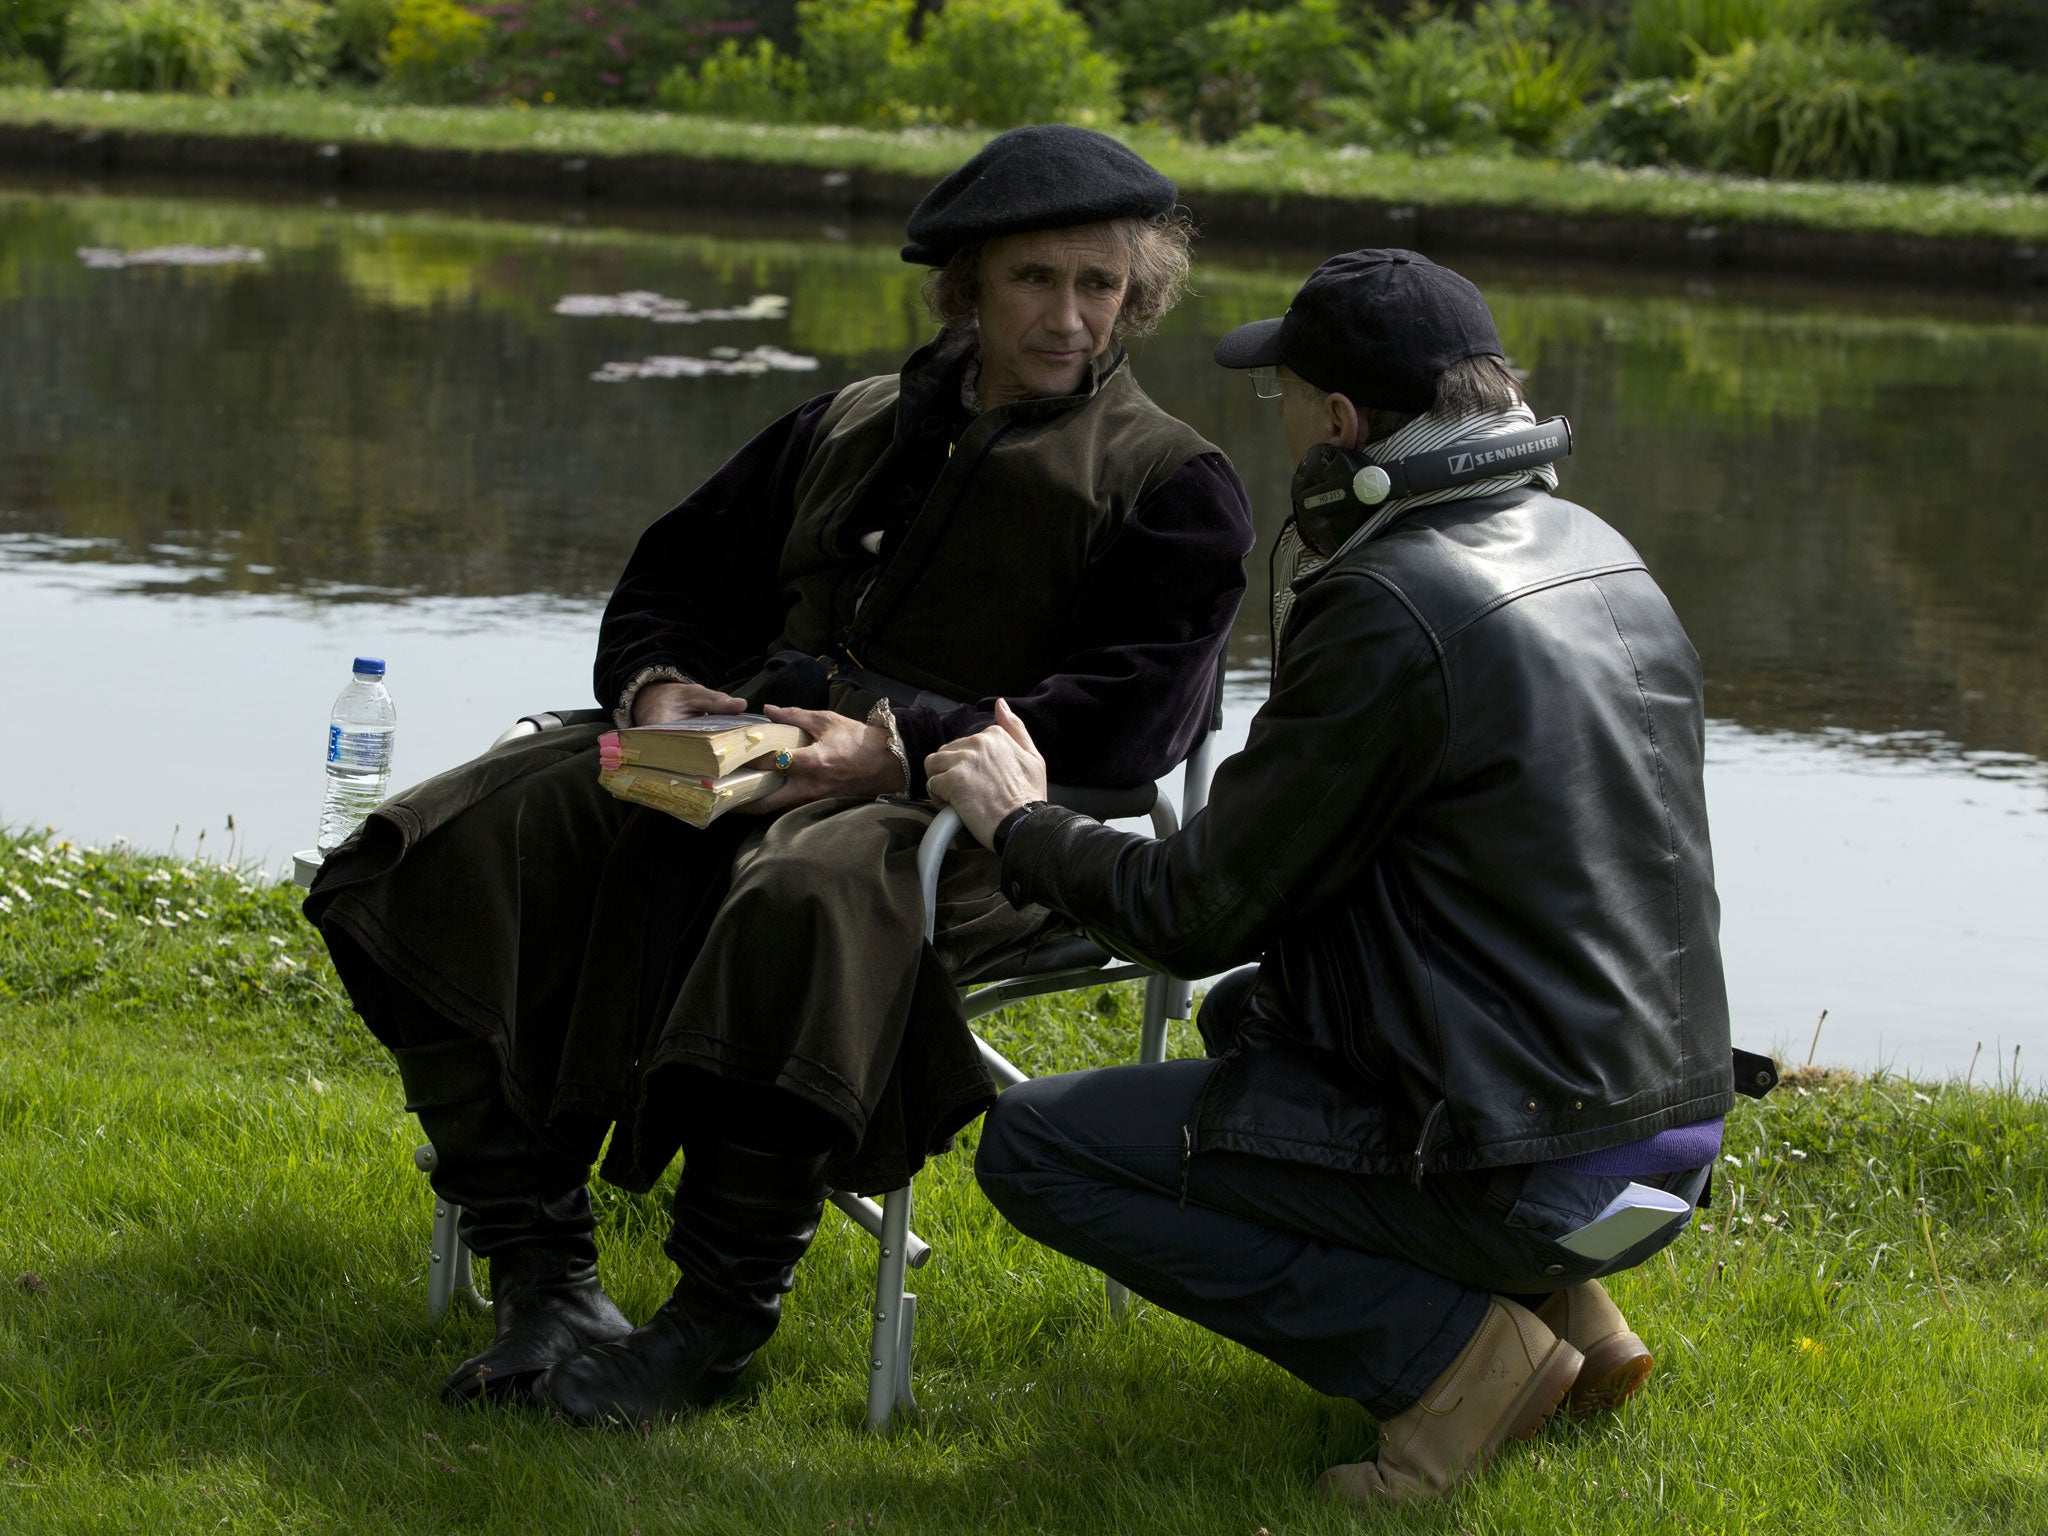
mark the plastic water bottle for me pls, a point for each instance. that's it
(358, 753)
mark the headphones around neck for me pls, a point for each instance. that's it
(1336, 489)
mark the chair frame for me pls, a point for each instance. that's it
(450, 1265)
(1166, 998)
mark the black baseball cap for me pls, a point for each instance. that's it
(1375, 326)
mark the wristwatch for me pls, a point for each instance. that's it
(1009, 823)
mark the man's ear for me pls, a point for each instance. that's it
(1343, 425)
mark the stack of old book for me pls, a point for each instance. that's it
(697, 769)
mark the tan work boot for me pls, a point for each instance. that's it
(1504, 1382)
(1617, 1362)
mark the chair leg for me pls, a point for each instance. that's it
(450, 1265)
(889, 1388)
(1152, 1036)
(867, 1215)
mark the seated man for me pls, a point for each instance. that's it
(1009, 516)
(1467, 841)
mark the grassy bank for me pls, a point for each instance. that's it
(1282, 172)
(212, 1315)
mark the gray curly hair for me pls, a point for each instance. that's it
(1155, 253)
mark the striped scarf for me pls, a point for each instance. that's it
(1419, 436)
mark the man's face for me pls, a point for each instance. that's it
(1049, 300)
(1308, 417)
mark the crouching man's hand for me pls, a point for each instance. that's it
(988, 775)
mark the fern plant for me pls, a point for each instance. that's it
(1834, 108)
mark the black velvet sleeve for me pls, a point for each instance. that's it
(1153, 616)
(701, 593)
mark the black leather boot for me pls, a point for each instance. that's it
(525, 1210)
(743, 1219)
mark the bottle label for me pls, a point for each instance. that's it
(366, 751)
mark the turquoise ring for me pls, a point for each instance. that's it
(782, 761)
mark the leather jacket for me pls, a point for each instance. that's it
(1466, 841)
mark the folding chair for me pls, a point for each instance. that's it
(1069, 963)
(1063, 962)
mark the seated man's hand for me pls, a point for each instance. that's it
(845, 757)
(659, 703)
(988, 775)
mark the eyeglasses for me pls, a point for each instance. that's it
(1266, 382)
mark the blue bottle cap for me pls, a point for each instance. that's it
(369, 666)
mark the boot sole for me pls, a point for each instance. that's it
(1614, 1372)
(1547, 1388)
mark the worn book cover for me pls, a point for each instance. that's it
(709, 745)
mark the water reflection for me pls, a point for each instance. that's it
(390, 422)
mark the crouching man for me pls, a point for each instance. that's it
(1467, 844)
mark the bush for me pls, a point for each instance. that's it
(1836, 108)
(1976, 120)
(1000, 63)
(435, 50)
(1664, 37)
(1425, 86)
(1541, 70)
(1642, 122)
(2013, 33)
(597, 52)
(21, 70)
(34, 28)
(857, 61)
(856, 66)
(996, 63)
(1163, 67)
(286, 42)
(755, 84)
(359, 29)
(1517, 74)
(1270, 67)
(155, 45)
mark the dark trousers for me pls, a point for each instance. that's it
(1363, 1286)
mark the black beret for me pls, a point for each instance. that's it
(1048, 176)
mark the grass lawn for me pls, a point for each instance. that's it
(212, 1315)
(1555, 186)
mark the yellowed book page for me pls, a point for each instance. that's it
(689, 799)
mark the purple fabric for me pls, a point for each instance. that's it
(1672, 1151)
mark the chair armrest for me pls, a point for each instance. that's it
(931, 853)
(549, 720)
(1102, 804)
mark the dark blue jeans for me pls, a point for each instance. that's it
(1363, 1286)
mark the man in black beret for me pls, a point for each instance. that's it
(1483, 1058)
(1008, 516)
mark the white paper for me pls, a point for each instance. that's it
(1630, 1216)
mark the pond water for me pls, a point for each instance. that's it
(245, 438)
